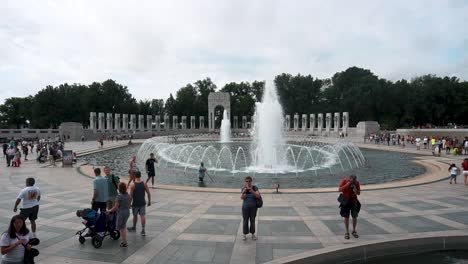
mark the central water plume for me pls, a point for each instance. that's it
(269, 152)
(225, 131)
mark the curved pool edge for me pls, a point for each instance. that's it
(362, 252)
(434, 173)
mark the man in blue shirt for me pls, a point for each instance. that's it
(100, 193)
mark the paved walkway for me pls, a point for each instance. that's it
(194, 227)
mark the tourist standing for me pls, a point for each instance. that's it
(137, 196)
(453, 173)
(350, 188)
(150, 170)
(249, 196)
(13, 240)
(418, 143)
(31, 195)
(112, 183)
(122, 206)
(201, 172)
(464, 166)
(100, 193)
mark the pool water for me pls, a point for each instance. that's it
(381, 166)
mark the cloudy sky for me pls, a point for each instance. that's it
(156, 47)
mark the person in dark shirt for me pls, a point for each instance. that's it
(150, 171)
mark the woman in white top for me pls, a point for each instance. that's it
(453, 173)
(12, 241)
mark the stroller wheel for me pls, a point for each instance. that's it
(115, 234)
(97, 241)
(81, 239)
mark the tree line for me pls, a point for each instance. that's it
(423, 100)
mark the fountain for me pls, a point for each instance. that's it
(268, 143)
(269, 155)
(225, 132)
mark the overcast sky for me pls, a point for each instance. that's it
(156, 47)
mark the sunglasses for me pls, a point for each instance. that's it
(247, 181)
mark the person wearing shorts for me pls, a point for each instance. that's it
(150, 170)
(464, 166)
(138, 189)
(31, 195)
(453, 173)
(351, 188)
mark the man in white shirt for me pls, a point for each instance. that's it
(31, 195)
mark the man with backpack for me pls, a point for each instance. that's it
(113, 183)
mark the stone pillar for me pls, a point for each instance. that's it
(158, 122)
(175, 122)
(345, 119)
(149, 122)
(320, 122)
(304, 122)
(312, 122)
(125, 122)
(132, 122)
(235, 122)
(92, 120)
(296, 122)
(141, 122)
(101, 121)
(184, 122)
(201, 122)
(192, 122)
(288, 122)
(328, 120)
(109, 121)
(337, 122)
(117, 121)
(167, 121)
(211, 121)
(252, 122)
(244, 122)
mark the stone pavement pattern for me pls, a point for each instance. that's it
(194, 227)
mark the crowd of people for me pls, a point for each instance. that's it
(45, 149)
(438, 144)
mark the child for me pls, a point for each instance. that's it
(122, 206)
(453, 173)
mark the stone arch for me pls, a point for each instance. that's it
(214, 100)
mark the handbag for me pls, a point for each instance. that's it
(343, 199)
(259, 200)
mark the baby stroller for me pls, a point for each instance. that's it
(97, 226)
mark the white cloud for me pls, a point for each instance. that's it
(156, 47)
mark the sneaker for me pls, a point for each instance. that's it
(143, 233)
(254, 237)
(131, 229)
(244, 237)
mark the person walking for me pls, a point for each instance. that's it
(453, 173)
(131, 170)
(350, 189)
(150, 170)
(249, 194)
(122, 207)
(112, 183)
(10, 155)
(201, 172)
(137, 196)
(100, 193)
(13, 241)
(31, 195)
(464, 166)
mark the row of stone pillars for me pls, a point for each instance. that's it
(316, 122)
(108, 121)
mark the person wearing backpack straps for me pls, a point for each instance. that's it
(112, 183)
(249, 196)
